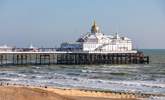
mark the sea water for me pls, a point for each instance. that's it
(138, 78)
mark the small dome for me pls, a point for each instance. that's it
(95, 28)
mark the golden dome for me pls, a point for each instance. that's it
(95, 28)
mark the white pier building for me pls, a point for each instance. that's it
(96, 41)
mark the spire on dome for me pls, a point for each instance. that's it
(94, 23)
(95, 28)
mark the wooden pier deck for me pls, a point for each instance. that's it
(79, 58)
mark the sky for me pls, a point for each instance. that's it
(47, 23)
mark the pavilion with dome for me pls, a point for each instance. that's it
(96, 41)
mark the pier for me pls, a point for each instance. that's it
(91, 48)
(66, 57)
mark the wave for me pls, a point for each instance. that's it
(135, 78)
(62, 80)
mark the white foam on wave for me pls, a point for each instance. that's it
(133, 86)
(62, 80)
(156, 98)
(141, 83)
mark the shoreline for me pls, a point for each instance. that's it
(69, 93)
(59, 93)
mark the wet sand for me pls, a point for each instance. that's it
(91, 94)
(17, 92)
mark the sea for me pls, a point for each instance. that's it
(138, 78)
